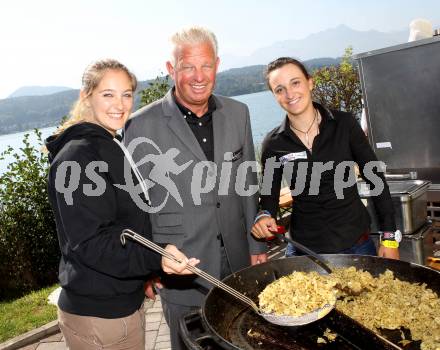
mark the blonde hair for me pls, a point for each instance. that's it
(90, 80)
(192, 36)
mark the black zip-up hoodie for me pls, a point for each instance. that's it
(99, 276)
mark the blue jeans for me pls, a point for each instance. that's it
(364, 248)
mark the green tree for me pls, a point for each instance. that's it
(155, 90)
(338, 87)
(29, 251)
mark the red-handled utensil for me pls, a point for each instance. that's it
(280, 230)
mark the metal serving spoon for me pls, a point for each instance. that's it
(270, 317)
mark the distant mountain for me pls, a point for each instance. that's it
(328, 43)
(247, 80)
(37, 90)
(28, 112)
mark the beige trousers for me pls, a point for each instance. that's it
(93, 333)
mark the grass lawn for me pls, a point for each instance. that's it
(27, 313)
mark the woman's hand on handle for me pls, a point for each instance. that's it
(171, 267)
(263, 227)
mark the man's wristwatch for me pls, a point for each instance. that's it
(390, 239)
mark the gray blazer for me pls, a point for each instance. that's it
(194, 219)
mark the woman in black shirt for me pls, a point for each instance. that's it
(319, 148)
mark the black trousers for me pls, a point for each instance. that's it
(174, 312)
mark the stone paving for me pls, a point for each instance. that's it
(157, 333)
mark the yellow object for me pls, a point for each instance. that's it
(390, 244)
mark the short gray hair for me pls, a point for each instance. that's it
(192, 36)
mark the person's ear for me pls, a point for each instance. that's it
(217, 62)
(311, 84)
(83, 97)
(170, 69)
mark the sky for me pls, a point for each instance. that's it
(50, 42)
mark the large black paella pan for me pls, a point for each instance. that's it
(228, 324)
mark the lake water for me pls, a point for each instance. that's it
(264, 111)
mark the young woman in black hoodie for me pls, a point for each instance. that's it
(100, 304)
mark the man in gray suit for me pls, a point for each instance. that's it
(196, 150)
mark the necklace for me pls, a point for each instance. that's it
(306, 133)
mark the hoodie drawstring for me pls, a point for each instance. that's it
(135, 169)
